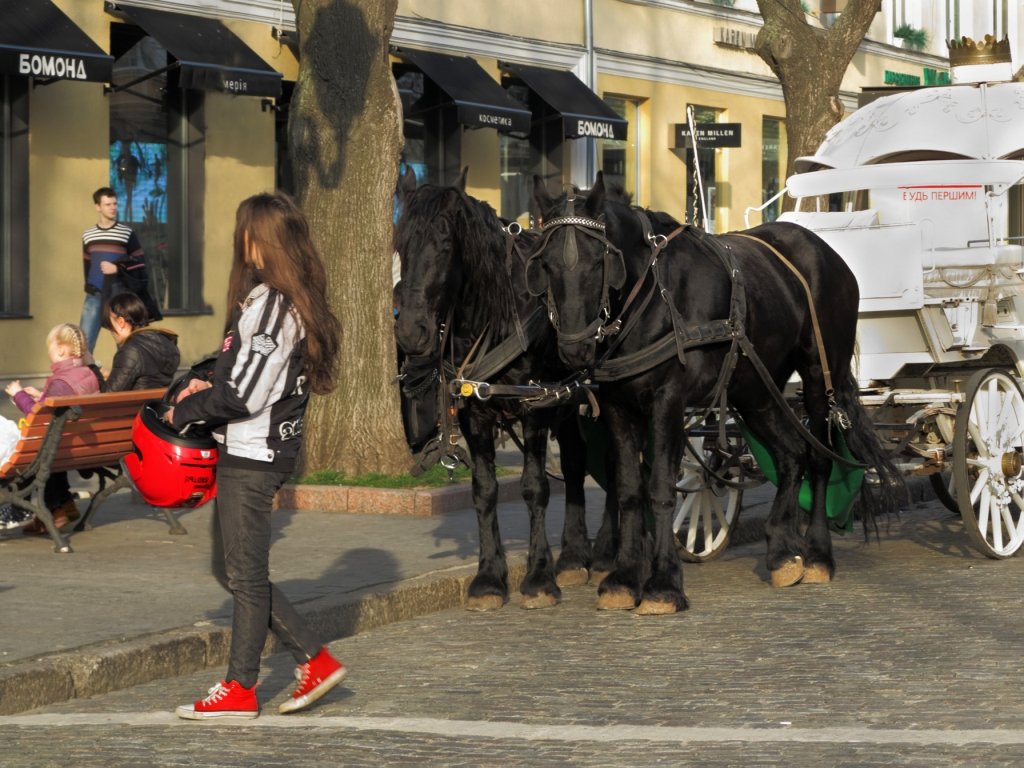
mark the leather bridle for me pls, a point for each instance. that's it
(613, 274)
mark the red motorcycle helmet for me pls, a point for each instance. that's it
(166, 468)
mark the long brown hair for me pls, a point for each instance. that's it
(273, 224)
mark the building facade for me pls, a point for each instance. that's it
(180, 105)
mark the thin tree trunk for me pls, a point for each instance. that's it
(810, 64)
(345, 141)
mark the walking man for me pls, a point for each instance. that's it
(104, 247)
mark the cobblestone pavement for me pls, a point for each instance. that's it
(910, 657)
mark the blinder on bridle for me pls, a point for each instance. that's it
(613, 274)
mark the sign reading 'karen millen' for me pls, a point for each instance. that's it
(709, 135)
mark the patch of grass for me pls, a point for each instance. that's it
(435, 477)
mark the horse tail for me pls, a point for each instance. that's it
(885, 496)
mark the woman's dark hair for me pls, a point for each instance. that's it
(274, 225)
(128, 307)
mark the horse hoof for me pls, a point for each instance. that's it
(789, 573)
(574, 577)
(655, 608)
(485, 603)
(543, 600)
(596, 577)
(616, 601)
(817, 573)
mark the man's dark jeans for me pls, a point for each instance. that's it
(241, 563)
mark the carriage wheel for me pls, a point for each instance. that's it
(987, 462)
(707, 509)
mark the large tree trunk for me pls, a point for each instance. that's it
(345, 138)
(810, 64)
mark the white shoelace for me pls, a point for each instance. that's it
(215, 694)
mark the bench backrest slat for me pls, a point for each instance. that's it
(99, 437)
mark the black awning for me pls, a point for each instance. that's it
(479, 100)
(38, 39)
(583, 112)
(208, 56)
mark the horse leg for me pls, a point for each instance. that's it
(572, 568)
(620, 589)
(607, 542)
(786, 553)
(538, 587)
(819, 565)
(489, 588)
(663, 592)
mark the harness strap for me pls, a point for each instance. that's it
(511, 247)
(509, 349)
(829, 390)
(755, 360)
(683, 337)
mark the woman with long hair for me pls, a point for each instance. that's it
(281, 343)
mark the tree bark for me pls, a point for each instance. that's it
(810, 63)
(345, 140)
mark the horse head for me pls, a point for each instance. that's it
(427, 239)
(577, 267)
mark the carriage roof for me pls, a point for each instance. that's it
(971, 121)
(998, 174)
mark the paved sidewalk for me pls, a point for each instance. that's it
(133, 603)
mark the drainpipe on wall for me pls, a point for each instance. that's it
(591, 66)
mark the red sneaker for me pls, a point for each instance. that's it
(224, 700)
(316, 677)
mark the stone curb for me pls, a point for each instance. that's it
(111, 666)
(408, 502)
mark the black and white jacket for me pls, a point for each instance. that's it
(258, 398)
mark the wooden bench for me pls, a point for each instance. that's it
(88, 433)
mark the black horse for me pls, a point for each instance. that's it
(667, 317)
(463, 286)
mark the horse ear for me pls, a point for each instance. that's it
(406, 183)
(461, 183)
(536, 276)
(541, 195)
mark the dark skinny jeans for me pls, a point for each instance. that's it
(241, 563)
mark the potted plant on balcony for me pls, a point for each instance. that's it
(913, 38)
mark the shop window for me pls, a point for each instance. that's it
(517, 168)
(14, 271)
(773, 164)
(696, 212)
(430, 126)
(410, 89)
(516, 179)
(619, 160)
(156, 166)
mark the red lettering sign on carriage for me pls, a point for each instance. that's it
(950, 193)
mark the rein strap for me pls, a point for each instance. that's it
(827, 374)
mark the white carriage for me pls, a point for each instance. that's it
(922, 193)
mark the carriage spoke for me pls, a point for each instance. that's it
(1006, 413)
(980, 485)
(1009, 525)
(980, 444)
(707, 508)
(693, 504)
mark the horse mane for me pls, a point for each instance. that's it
(478, 244)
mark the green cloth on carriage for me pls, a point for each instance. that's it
(844, 482)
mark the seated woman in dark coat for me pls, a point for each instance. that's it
(146, 357)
